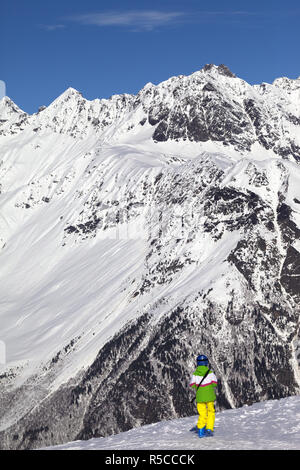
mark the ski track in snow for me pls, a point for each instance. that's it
(270, 425)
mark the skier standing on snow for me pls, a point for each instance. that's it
(205, 382)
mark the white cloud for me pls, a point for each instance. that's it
(52, 27)
(148, 20)
(139, 20)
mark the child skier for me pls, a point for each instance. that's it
(205, 382)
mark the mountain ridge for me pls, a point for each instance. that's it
(209, 105)
(137, 232)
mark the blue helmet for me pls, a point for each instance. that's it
(202, 360)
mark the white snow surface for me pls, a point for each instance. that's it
(269, 425)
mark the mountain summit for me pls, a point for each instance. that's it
(222, 69)
(137, 232)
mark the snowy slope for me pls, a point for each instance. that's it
(271, 425)
(135, 232)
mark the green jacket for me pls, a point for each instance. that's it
(206, 391)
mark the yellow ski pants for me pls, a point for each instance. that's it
(206, 415)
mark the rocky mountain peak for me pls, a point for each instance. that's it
(221, 69)
(12, 118)
(8, 107)
(288, 84)
(69, 97)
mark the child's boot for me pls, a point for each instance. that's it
(201, 432)
(209, 433)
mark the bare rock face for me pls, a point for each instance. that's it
(141, 231)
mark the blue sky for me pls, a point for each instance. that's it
(105, 47)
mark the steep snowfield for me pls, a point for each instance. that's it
(271, 425)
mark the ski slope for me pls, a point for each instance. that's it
(270, 425)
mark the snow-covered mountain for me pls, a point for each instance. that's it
(137, 232)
